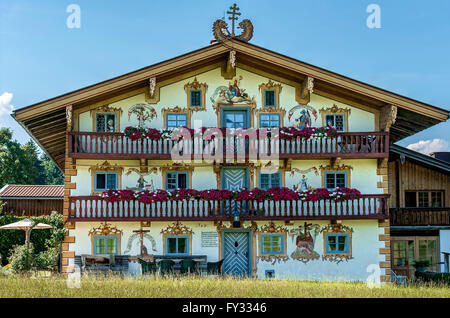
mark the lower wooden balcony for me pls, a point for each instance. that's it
(419, 216)
(351, 145)
(95, 208)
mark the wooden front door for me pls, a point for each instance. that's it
(236, 253)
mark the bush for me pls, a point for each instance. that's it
(46, 241)
(442, 278)
(21, 258)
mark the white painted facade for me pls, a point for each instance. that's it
(365, 246)
(363, 176)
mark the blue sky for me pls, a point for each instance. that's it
(41, 58)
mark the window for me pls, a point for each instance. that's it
(196, 98)
(196, 95)
(337, 243)
(269, 120)
(105, 122)
(410, 199)
(177, 180)
(269, 98)
(336, 121)
(105, 180)
(177, 245)
(436, 199)
(176, 121)
(424, 199)
(269, 180)
(335, 180)
(272, 243)
(105, 245)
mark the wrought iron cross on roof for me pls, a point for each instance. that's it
(233, 17)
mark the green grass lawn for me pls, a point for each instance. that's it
(14, 286)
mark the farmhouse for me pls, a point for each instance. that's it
(230, 153)
(34, 200)
(419, 210)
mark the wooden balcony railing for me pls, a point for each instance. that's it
(95, 208)
(85, 145)
(419, 216)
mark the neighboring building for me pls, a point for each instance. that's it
(419, 209)
(230, 84)
(32, 200)
(444, 156)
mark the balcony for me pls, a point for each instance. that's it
(419, 216)
(95, 208)
(352, 145)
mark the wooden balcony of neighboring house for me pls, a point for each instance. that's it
(95, 208)
(419, 216)
(350, 145)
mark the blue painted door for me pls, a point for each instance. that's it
(236, 253)
(235, 118)
(234, 178)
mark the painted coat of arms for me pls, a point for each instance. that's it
(232, 94)
(306, 237)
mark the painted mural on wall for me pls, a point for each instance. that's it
(301, 116)
(141, 181)
(144, 112)
(303, 182)
(139, 238)
(231, 94)
(305, 238)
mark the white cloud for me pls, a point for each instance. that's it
(429, 146)
(5, 103)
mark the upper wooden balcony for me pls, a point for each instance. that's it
(95, 208)
(350, 145)
(419, 216)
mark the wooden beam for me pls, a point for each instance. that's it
(388, 115)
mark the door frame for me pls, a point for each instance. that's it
(250, 244)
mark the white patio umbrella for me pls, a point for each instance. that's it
(27, 225)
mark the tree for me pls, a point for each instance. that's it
(15, 167)
(52, 175)
(21, 164)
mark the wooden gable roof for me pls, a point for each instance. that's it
(46, 121)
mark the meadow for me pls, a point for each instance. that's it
(193, 287)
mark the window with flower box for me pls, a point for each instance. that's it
(269, 120)
(335, 179)
(176, 120)
(269, 180)
(105, 181)
(177, 180)
(336, 120)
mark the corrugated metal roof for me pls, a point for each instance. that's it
(23, 191)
